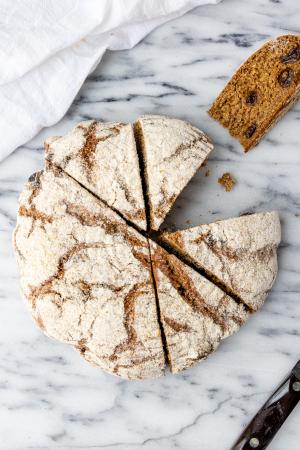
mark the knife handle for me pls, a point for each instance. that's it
(263, 427)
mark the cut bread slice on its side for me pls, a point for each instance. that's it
(171, 152)
(240, 253)
(195, 314)
(86, 276)
(104, 159)
(261, 91)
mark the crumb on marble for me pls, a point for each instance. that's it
(227, 181)
(207, 173)
(188, 221)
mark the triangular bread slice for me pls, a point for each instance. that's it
(104, 159)
(241, 253)
(172, 151)
(86, 276)
(194, 313)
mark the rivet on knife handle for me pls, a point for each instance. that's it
(263, 427)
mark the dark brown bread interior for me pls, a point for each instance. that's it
(261, 91)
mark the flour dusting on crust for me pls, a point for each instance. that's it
(103, 158)
(172, 150)
(86, 277)
(241, 252)
(195, 314)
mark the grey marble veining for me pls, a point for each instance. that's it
(49, 397)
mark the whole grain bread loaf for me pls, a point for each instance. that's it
(93, 279)
(261, 91)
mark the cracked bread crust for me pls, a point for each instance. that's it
(172, 152)
(195, 314)
(103, 158)
(86, 277)
(263, 89)
(240, 252)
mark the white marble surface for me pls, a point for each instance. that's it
(49, 397)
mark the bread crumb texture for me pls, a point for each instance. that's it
(261, 91)
(227, 181)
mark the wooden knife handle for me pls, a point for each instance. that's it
(263, 427)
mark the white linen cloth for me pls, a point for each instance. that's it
(48, 48)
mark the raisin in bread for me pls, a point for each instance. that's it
(261, 91)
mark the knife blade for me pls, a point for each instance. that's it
(265, 424)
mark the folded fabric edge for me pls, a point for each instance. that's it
(19, 98)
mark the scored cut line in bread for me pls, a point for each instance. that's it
(195, 314)
(240, 253)
(86, 276)
(171, 152)
(139, 172)
(124, 324)
(103, 158)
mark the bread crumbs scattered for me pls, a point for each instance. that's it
(207, 173)
(188, 221)
(227, 181)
